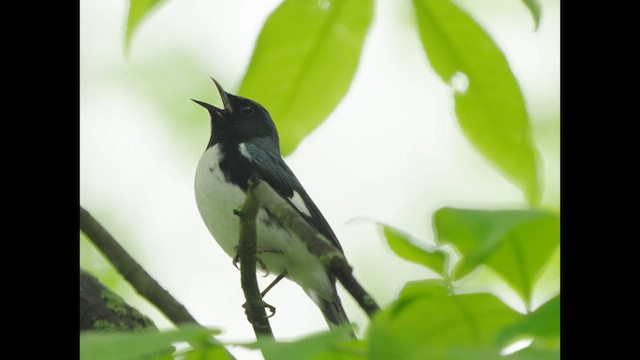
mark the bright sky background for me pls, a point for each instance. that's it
(391, 151)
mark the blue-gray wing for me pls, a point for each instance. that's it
(271, 168)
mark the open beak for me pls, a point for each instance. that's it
(225, 101)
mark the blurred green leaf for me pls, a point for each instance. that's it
(350, 350)
(208, 352)
(543, 324)
(535, 352)
(138, 10)
(431, 257)
(488, 101)
(515, 243)
(128, 345)
(316, 346)
(546, 134)
(426, 322)
(548, 284)
(534, 8)
(304, 61)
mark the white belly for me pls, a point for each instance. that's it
(216, 201)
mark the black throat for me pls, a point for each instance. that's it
(235, 167)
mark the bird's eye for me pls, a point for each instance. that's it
(246, 110)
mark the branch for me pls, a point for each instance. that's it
(141, 281)
(255, 306)
(102, 309)
(332, 258)
(144, 284)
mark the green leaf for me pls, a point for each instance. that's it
(350, 350)
(515, 243)
(426, 322)
(534, 8)
(311, 347)
(543, 324)
(138, 10)
(488, 101)
(304, 61)
(430, 257)
(535, 352)
(208, 352)
(128, 345)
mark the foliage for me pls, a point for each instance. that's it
(138, 10)
(130, 345)
(431, 257)
(534, 8)
(431, 318)
(305, 59)
(517, 244)
(488, 100)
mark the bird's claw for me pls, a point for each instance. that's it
(263, 266)
(259, 251)
(236, 260)
(272, 309)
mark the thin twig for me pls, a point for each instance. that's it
(144, 284)
(333, 260)
(247, 248)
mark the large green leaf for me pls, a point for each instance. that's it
(138, 10)
(207, 352)
(515, 243)
(534, 8)
(426, 322)
(488, 101)
(129, 345)
(534, 352)
(543, 324)
(317, 346)
(350, 350)
(431, 257)
(304, 61)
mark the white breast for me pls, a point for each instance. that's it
(216, 199)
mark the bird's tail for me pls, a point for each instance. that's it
(333, 311)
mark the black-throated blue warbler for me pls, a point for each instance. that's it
(244, 143)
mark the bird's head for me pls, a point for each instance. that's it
(240, 120)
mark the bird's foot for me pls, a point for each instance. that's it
(236, 259)
(271, 308)
(259, 252)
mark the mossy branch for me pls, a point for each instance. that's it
(331, 257)
(247, 249)
(103, 310)
(141, 281)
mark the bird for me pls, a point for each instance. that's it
(244, 143)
